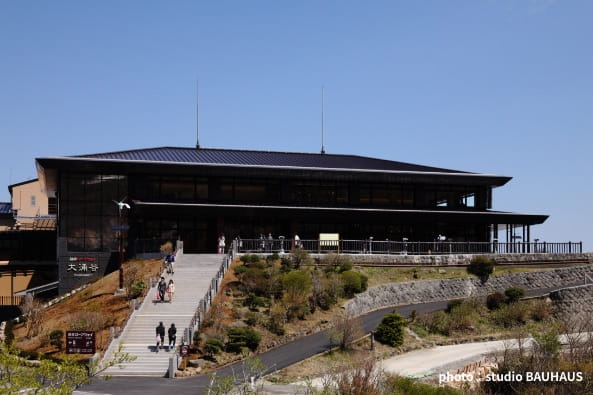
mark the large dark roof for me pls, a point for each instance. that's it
(261, 158)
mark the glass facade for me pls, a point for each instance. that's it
(89, 218)
(88, 213)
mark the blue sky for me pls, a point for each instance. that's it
(503, 87)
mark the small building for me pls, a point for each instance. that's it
(32, 206)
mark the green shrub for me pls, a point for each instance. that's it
(137, 289)
(239, 338)
(495, 301)
(252, 318)
(345, 266)
(296, 282)
(253, 301)
(437, 322)
(463, 318)
(353, 283)
(452, 304)
(55, 338)
(511, 315)
(8, 332)
(286, 265)
(513, 294)
(213, 346)
(254, 258)
(408, 386)
(272, 258)
(239, 270)
(391, 330)
(481, 267)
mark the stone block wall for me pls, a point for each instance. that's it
(410, 292)
(459, 259)
(574, 301)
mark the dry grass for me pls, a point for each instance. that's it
(383, 275)
(96, 306)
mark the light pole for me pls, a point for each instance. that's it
(120, 206)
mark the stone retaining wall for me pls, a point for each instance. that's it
(459, 259)
(574, 301)
(394, 294)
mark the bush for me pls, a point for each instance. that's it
(481, 267)
(277, 320)
(254, 258)
(513, 294)
(255, 280)
(239, 270)
(55, 338)
(511, 315)
(286, 265)
(252, 318)
(213, 346)
(495, 301)
(353, 283)
(463, 318)
(300, 257)
(391, 330)
(137, 289)
(452, 304)
(272, 258)
(239, 338)
(250, 258)
(296, 282)
(8, 332)
(253, 302)
(437, 322)
(539, 310)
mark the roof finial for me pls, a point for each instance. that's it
(322, 123)
(198, 114)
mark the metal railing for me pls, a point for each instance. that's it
(205, 303)
(388, 247)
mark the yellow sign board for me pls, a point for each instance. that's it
(329, 240)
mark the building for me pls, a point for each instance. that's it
(32, 206)
(197, 194)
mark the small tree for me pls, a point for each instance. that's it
(55, 338)
(354, 282)
(240, 338)
(345, 330)
(482, 267)
(296, 285)
(391, 330)
(513, 294)
(213, 346)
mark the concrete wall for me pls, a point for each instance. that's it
(394, 294)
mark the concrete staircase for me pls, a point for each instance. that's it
(192, 277)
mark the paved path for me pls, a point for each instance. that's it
(192, 277)
(275, 359)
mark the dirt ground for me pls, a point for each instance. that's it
(98, 299)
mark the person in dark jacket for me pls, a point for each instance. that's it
(160, 335)
(162, 287)
(172, 336)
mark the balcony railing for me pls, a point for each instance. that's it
(408, 247)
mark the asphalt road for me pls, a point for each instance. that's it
(275, 359)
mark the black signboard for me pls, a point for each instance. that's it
(80, 342)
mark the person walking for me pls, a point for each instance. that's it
(221, 244)
(172, 336)
(171, 290)
(160, 335)
(162, 287)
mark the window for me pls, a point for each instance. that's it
(33, 200)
